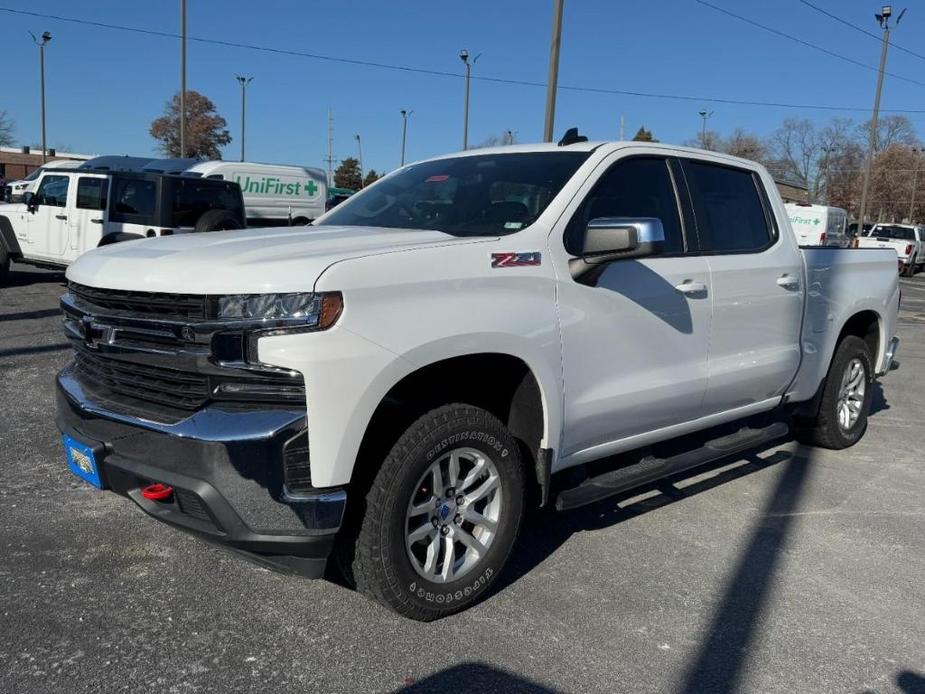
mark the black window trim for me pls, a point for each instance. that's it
(770, 219)
(47, 177)
(679, 205)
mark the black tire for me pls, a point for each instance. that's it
(118, 237)
(824, 430)
(301, 221)
(381, 564)
(4, 265)
(217, 220)
(909, 270)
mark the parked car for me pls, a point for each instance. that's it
(534, 324)
(74, 211)
(27, 185)
(273, 194)
(819, 225)
(906, 239)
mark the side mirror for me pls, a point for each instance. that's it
(616, 238)
(30, 201)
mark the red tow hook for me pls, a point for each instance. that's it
(157, 492)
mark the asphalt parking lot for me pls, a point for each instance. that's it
(790, 570)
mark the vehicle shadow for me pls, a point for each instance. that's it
(878, 401)
(24, 278)
(29, 315)
(910, 682)
(474, 677)
(545, 531)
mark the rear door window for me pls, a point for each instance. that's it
(193, 198)
(731, 212)
(91, 193)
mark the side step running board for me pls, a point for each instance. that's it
(650, 469)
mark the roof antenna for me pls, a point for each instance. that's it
(571, 137)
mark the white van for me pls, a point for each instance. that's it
(818, 225)
(273, 194)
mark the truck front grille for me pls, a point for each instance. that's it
(170, 387)
(155, 305)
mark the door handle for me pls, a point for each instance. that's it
(97, 221)
(60, 216)
(788, 282)
(688, 287)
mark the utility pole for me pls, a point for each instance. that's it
(553, 79)
(182, 79)
(703, 129)
(404, 132)
(917, 153)
(360, 160)
(464, 56)
(622, 132)
(243, 81)
(41, 43)
(330, 159)
(883, 18)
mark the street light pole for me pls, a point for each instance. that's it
(404, 132)
(553, 79)
(464, 56)
(884, 20)
(182, 79)
(243, 81)
(360, 160)
(703, 129)
(41, 43)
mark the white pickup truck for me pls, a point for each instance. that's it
(907, 240)
(473, 334)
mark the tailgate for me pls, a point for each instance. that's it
(875, 242)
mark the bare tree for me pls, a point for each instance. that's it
(744, 144)
(6, 130)
(894, 129)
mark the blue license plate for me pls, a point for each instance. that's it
(82, 461)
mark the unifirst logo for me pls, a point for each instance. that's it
(270, 185)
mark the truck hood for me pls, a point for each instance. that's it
(281, 259)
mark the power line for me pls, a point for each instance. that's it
(877, 37)
(446, 73)
(833, 54)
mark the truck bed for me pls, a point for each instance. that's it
(838, 281)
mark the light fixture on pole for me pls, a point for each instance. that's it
(703, 128)
(41, 43)
(464, 56)
(883, 19)
(360, 160)
(405, 115)
(243, 81)
(182, 79)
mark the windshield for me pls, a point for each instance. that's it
(481, 195)
(901, 233)
(34, 175)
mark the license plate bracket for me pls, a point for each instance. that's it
(83, 460)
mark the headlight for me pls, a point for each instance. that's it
(320, 311)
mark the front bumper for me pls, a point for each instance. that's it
(225, 465)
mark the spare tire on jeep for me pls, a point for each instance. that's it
(217, 220)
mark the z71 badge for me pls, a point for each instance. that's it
(516, 259)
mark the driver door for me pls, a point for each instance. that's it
(635, 341)
(48, 228)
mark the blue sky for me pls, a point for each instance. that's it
(106, 86)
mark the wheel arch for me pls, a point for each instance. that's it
(514, 394)
(8, 238)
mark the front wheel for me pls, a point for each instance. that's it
(845, 402)
(442, 514)
(4, 265)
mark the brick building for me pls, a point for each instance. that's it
(19, 162)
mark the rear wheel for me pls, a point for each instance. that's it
(845, 402)
(217, 220)
(909, 270)
(442, 514)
